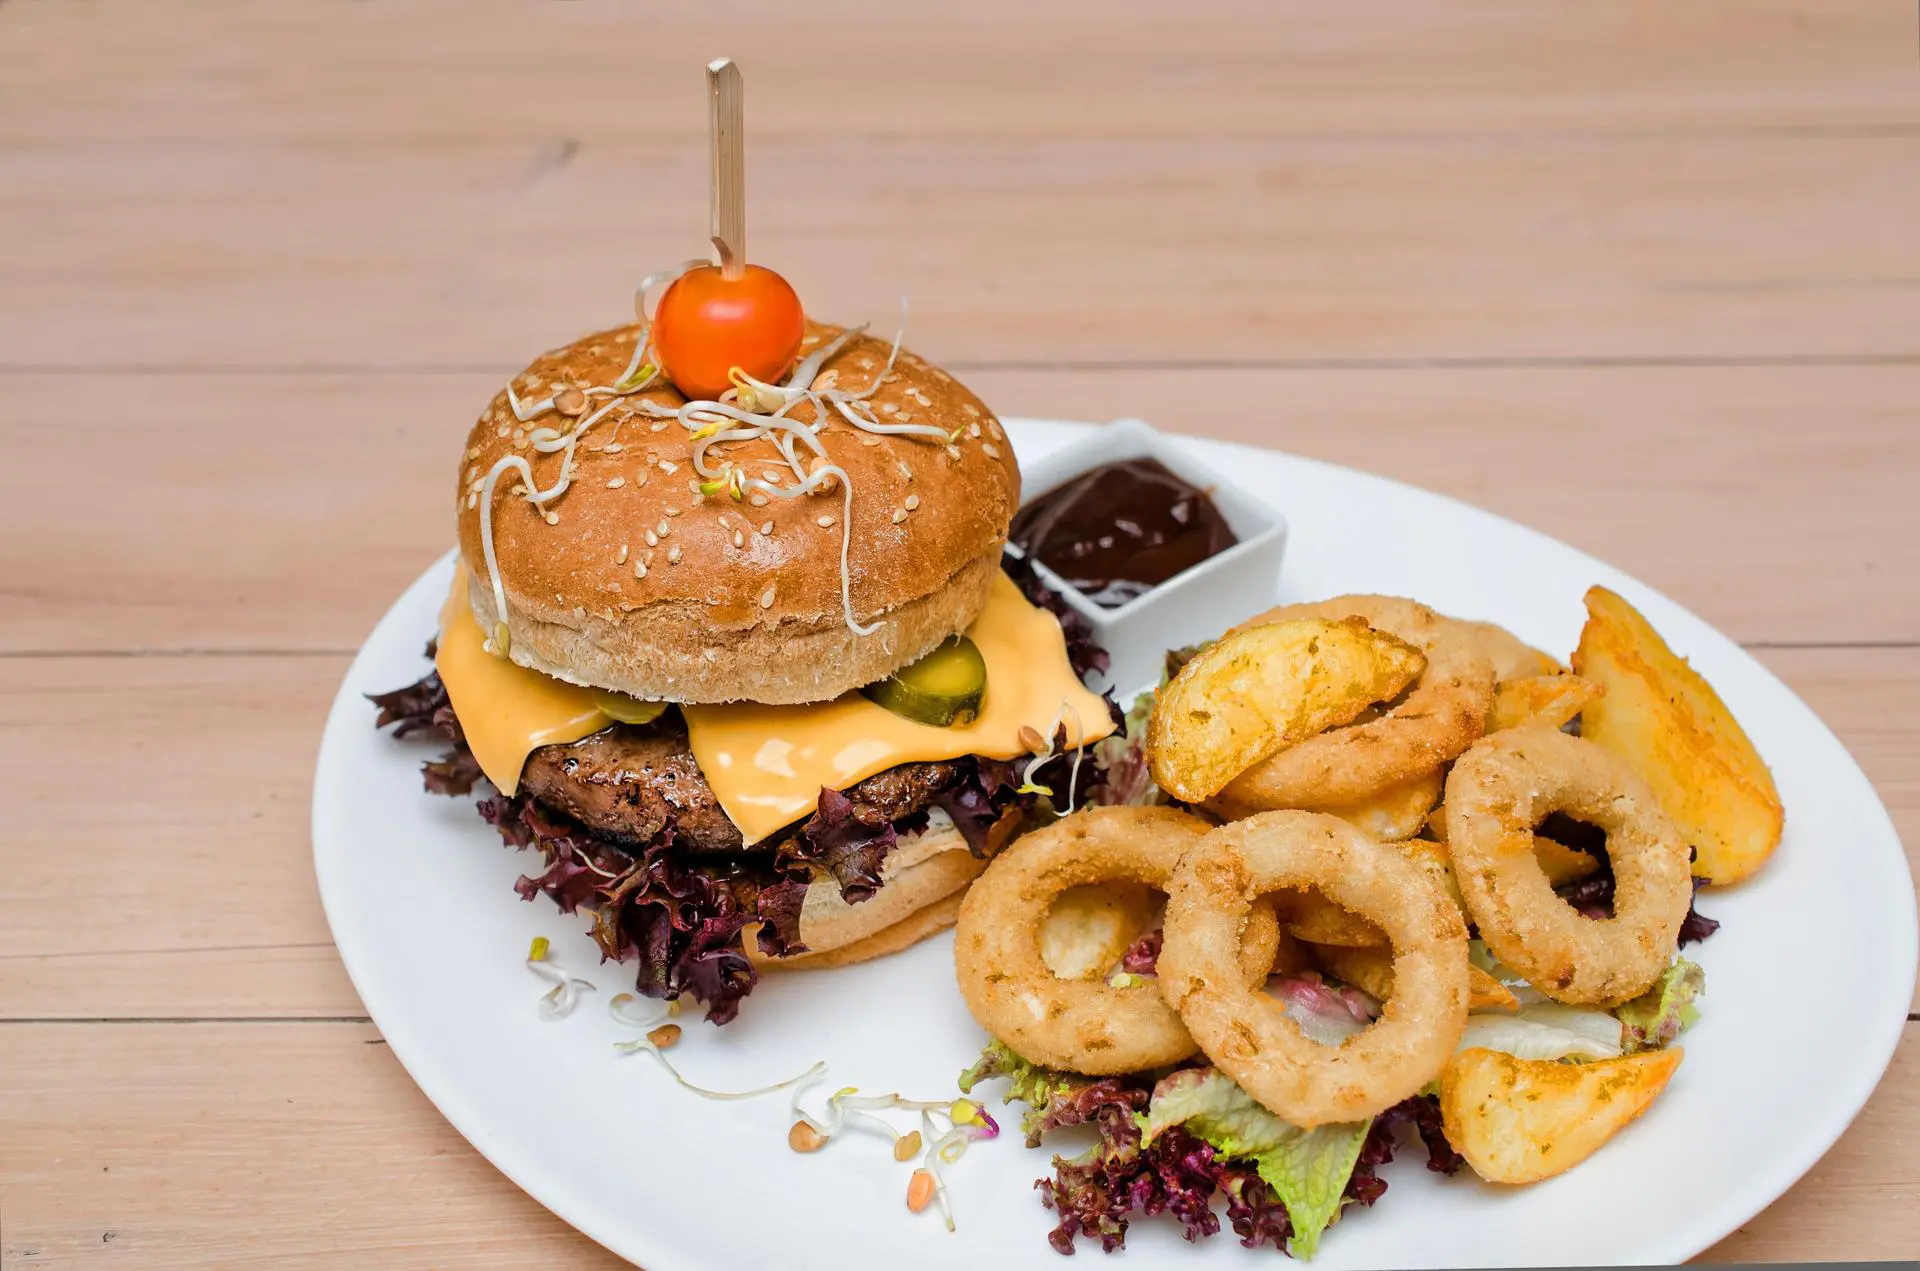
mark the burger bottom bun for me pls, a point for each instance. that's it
(918, 876)
(909, 931)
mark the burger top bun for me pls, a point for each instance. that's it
(632, 579)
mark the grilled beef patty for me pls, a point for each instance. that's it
(628, 781)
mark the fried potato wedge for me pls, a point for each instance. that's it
(1371, 971)
(1089, 927)
(1562, 864)
(1541, 701)
(1673, 730)
(1264, 688)
(1522, 1120)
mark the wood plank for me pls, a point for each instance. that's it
(1305, 248)
(182, 72)
(189, 892)
(198, 1146)
(305, 1144)
(253, 512)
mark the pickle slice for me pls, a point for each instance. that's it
(627, 710)
(943, 688)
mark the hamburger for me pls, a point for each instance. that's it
(748, 674)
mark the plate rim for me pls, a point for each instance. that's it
(1711, 1224)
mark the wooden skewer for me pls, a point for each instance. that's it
(726, 131)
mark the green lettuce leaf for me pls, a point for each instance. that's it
(1043, 1090)
(1655, 1018)
(1307, 1169)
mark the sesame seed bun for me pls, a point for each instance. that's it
(738, 600)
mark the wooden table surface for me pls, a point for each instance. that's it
(1646, 277)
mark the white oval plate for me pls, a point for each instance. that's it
(419, 893)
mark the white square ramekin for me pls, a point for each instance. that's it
(1192, 606)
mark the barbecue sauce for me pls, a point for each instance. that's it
(1118, 531)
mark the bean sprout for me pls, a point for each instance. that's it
(557, 1002)
(618, 1008)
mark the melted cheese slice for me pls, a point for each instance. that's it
(505, 710)
(767, 764)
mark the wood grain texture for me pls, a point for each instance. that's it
(319, 1152)
(203, 857)
(1313, 249)
(1641, 276)
(397, 187)
(263, 512)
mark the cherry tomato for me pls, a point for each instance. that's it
(707, 324)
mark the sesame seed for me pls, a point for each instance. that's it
(766, 527)
(973, 430)
(504, 430)
(739, 539)
(659, 425)
(953, 453)
(519, 443)
(913, 501)
(693, 484)
(639, 569)
(899, 515)
(663, 529)
(616, 483)
(613, 447)
(770, 476)
(766, 597)
(621, 559)
(970, 408)
(672, 510)
(758, 499)
(673, 554)
(473, 452)
(869, 441)
(653, 540)
(824, 522)
(988, 449)
(472, 499)
(571, 402)
(669, 467)
(888, 408)
(641, 477)
(905, 471)
(552, 518)
(993, 429)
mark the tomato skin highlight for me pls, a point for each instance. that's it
(707, 324)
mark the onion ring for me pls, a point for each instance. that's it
(1512, 657)
(1247, 1034)
(1397, 812)
(1087, 1026)
(1498, 792)
(1444, 712)
(1317, 919)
